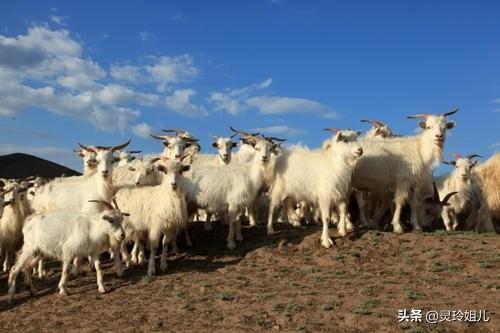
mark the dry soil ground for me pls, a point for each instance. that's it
(284, 282)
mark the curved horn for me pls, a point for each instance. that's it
(154, 160)
(161, 137)
(184, 156)
(449, 163)
(7, 191)
(102, 202)
(375, 123)
(471, 156)
(447, 197)
(273, 138)
(123, 145)
(244, 133)
(232, 136)
(421, 115)
(457, 156)
(89, 149)
(436, 193)
(332, 129)
(135, 151)
(446, 114)
(115, 203)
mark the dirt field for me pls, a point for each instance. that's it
(284, 282)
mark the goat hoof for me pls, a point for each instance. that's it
(270, 231)
(102, 290)
(398, 230)
(63, 292)
(231, 245)
(342, 232)
(163, 268)
(326, 242)
(349, 226)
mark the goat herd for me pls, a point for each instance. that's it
(122, 199)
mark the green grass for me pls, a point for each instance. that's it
(365, 308)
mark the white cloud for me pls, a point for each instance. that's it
(59, 19)
(232, 101)
(170, 70)
(148, 37)
(271, 105)
(495, 145)
(46, 69)
(180, 102)
(125, 73)
(61, 156)
(280, 129)
(142, 130)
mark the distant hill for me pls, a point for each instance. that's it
(20, 165)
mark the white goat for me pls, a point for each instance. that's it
(489, 175)
(403, 165)
(460, 180)
(318, 177)
(65, 236)
(230, 188)
(11, 223)
(156, 210)
(174, 146)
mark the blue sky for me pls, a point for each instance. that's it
(103, 72)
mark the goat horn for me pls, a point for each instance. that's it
(123, 145)
(436, 193)
(232, 136)
(421, 115)
(161, 137)
(471, 156)
(332, 129)
(375, 123)
(446, 114)
(115, 203)
(135, 151)
(273, 138)
(447, 197)
(7, 191)
(449, 163)
(457, 156)
(154, 160)
(244, 133)
(89, 149)
(102, 202)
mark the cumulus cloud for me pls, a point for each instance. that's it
(170, 70)
(271, 105)
(232, 101)
(125, 73)
(180, 102)
(142, 130)
(46, 69)
(235, 101)
(280, 130)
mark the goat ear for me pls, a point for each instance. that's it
(161, 168)
(165, 143)
(131, 169)
(108, 218)
(125, 214)
(6, 203)
(358, 133)
(185, 168)
(450, 124)
(188, 144)
(116, 159)
(234, 145)
(475, 163)
(422, 124)
(214, 144)
(340, 137)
